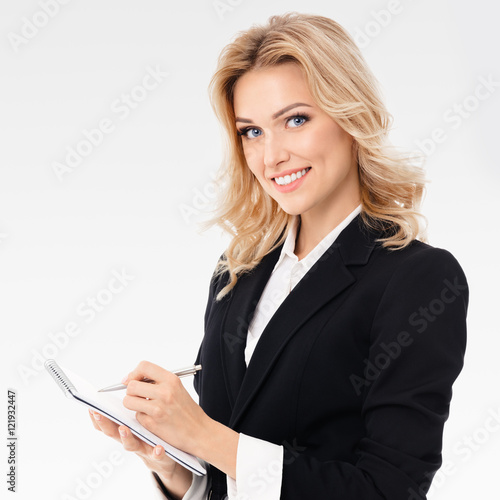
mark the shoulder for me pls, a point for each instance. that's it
(421, 272)
(419, 257)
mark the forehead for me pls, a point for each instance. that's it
(270, 88)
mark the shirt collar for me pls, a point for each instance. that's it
(289, 244)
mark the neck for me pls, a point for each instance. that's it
(313, 229)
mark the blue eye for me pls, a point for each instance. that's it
(254, 130)
(245, 132)
(296, 121)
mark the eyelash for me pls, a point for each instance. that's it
(306, 117)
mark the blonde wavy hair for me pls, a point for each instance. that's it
(341, 84)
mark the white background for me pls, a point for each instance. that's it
(122, 207)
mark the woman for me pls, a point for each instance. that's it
(333, 334)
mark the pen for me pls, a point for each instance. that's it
(183, 372)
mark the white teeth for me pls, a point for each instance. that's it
(287, 179)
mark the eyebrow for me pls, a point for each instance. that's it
(278, 113)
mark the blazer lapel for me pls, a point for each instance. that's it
(244, 299)
(328, 278)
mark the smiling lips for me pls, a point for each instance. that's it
(288, 179)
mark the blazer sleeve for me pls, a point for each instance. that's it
(417, 347)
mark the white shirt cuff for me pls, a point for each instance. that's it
(259, 470)
(198, 490)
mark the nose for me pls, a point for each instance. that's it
(275, 151)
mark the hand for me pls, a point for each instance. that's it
(155, 458)
(165, 407)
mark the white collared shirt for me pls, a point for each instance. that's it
(287, 272)
(255, 455)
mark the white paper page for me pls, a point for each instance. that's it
(110, 404)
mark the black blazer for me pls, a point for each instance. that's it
(352, 375)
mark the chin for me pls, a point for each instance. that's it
(292, 210)
(291, 207)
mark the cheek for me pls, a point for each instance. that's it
(253, 160)
(319, 144)
(334, 145)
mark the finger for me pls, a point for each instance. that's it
(142, 389)
(131, 442)
(136, 445)
(94, 423)
(145, 369)
(108, 427)
(158, 452)
(137, 404)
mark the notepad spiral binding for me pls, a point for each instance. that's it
(60, 377)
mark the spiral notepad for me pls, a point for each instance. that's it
(60, 377)
(110, 405)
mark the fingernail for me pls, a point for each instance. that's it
(97, 416)
(125, 379)
(123, 433)
(158, 450)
